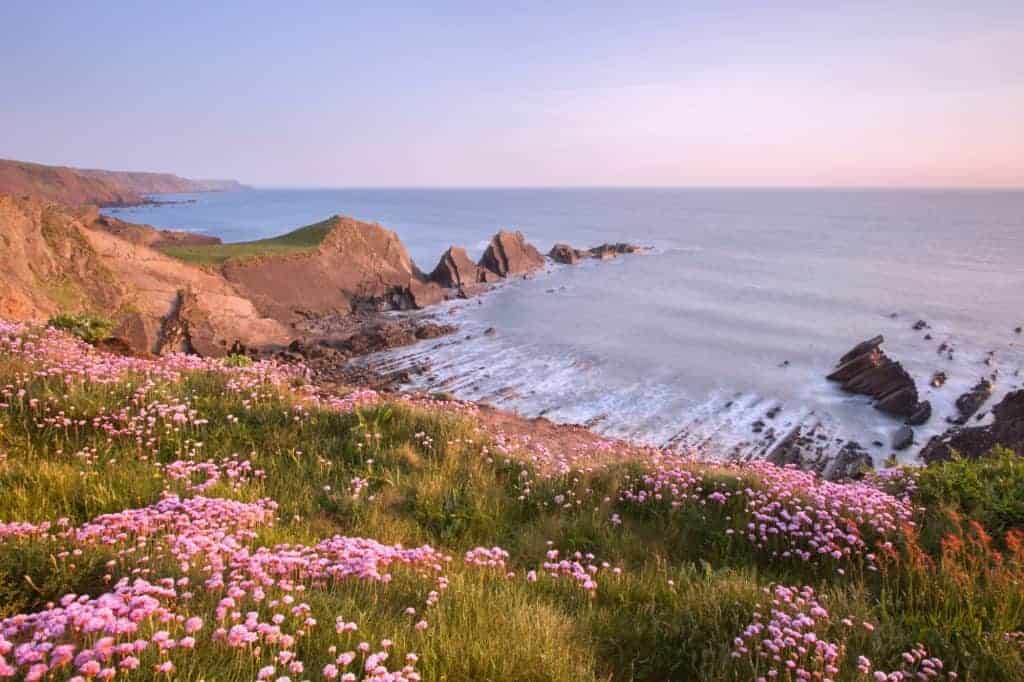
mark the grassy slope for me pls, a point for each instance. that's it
(684, 593)
(301, 240)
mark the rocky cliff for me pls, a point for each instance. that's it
(357, 267)
(78, 187)
(51, 260)
(258, 295)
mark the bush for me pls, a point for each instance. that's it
(989, 489)
(89, 328)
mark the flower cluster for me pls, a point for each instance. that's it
(787, 512)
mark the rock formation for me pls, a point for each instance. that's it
(456, 271)
(867, 370)
(1006, 429)
(510, 254)
(566, 254)
(51, 261)
(971, 401)
(609, 251)
(358, 267)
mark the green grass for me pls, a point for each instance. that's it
(302, 240)
(683, 595)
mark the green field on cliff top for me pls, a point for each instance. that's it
(301, 240)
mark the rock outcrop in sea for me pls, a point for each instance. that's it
(510, 254)
(568, 255)
(867, 370)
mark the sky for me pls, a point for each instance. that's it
(467, 94)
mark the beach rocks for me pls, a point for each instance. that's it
(1006, 429)
(969, 403)
(802, 448)
(849, 463)
(867, 370)
(510, 254)
(609, 251)
(566, 254)
(903, 438)
(921, 414)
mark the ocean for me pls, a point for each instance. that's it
(745, 303)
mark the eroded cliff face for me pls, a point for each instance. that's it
(358, 267)
(51, 261)
(46, 264)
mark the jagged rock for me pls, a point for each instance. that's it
(1006, 429)
(903, 438)
(510, 254)
(456, 271)
(902, 401)
(921, 414)
(969, 403)
(866, 370)
(919, 325)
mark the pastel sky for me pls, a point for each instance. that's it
(521, 94)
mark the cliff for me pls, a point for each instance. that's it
(53, 261)
(176, 291)
(77, 187)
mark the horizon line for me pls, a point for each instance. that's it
(874, 188)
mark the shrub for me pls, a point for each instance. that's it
(89, 328)
(989, 489)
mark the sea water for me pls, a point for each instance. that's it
(743, 306)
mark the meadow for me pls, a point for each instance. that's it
(302, 240)
(201, 519)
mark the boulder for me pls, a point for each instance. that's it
(565, 254)
(921, 414)
(903, 438)
(969, 403)
(510, 254)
